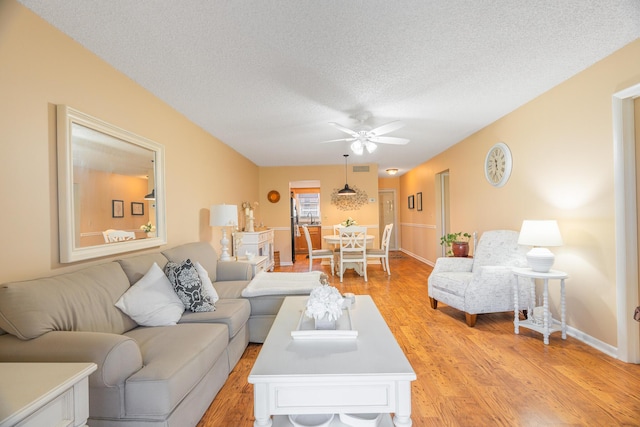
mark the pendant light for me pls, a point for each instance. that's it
(346, 191)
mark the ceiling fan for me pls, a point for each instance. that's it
(363, 137)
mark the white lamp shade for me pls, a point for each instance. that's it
(540, 233)
(223, 215)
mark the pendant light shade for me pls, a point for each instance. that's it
(346, 191)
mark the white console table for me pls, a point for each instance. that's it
(44, 394)
(548, 324)
(259, 243)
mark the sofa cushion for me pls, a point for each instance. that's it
(151, 301)
(231, 289)
(187, 284)
(137, 266)
(79, 301)
(206, 282)
(175, 359)
(201, 252)
(232, 312)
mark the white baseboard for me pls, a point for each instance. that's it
(419, 258)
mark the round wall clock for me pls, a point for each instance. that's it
(498, 164)
(273, 196)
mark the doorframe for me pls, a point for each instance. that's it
(626, 222)
(395, 216)
(442, 207)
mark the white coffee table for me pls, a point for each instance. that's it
(368, 374)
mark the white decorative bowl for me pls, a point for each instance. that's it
(311, 420)
(361, 420)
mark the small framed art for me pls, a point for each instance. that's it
(137, 208)
(419, 201)
(117, 208)
(411, 201)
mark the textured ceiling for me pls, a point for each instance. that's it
(266, 77)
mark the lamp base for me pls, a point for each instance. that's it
(540, 259)
(224, 242)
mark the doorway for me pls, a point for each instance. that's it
(387, 215)
(304, 210)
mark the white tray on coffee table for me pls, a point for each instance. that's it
(344, 329)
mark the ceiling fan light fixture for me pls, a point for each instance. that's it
(370, 146)
(357, 148)
(392, 171)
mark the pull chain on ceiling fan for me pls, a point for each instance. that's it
(363, 137)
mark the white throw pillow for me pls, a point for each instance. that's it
(151, 301)
(206, 282)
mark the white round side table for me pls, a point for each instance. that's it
(548, 324)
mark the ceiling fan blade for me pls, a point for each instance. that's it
(389, 127)
(344, 129)
(339, 140)
(389, 140)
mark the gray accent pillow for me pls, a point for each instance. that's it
(187, 284)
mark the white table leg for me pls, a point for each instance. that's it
(545, 315)
(516, 317)
(563, 308)
(402, 417)
(261, 406)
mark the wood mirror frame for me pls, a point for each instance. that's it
(113, 143)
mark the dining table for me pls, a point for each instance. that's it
(334, 239)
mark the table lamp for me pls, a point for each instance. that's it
(540, 234)
(224, 216)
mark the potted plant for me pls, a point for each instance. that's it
(458, 243)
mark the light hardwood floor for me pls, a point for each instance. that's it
(481, 376)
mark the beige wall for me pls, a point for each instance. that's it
(41, 67)
(276, 215)
(562, 151)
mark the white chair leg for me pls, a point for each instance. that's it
(388, 269)
(310, 263)
(333, 270)
(384, 267)
(364, 265)
(341, 270)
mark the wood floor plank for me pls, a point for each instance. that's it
(480, 376)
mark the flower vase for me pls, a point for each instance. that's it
(325, 324)
(151, 234)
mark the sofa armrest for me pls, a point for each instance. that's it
(453, 264)
(117, 356)
(231, 271)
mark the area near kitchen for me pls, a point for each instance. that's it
(307, 212)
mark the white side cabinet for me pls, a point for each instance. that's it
(259, 243)
(44, 394)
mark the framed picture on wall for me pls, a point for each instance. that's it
(117, 208)
(419, 201)
(137, 208)
(411, 202)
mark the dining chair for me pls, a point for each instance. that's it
(353, 248)
(336, 229)
(317, 253)
(383, 253)
(111, 235)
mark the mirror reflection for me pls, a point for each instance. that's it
(110, 188)
(111, 178)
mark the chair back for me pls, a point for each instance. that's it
(386, 237)
(336, 229)
(307, 236)
(111, 235)
(353, 241)
(499, 248)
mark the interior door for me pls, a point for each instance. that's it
(387, 215)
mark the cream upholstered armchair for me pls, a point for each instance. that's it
(484, 283)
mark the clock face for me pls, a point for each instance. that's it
(497, 165)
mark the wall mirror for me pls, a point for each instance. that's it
(110, 188)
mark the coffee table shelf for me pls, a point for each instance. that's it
(283, 421)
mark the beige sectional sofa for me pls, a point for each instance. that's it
(146, 376)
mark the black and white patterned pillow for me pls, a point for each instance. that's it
(187, 284)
